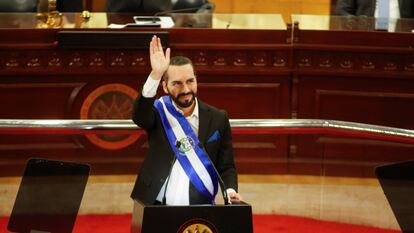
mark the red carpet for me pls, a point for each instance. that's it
(262, 224)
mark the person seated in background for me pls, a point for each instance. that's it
(193, 6)
(370, 8)
(156, 6)
(70, 5)
(18, 6)
(40, 5)
(138, 6)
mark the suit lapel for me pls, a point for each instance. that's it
(204, 123)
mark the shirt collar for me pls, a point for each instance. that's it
(195, 111)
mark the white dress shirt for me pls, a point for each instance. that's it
(394, 9)
(394, 14)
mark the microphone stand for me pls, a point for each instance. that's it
(220, 180)
(164, 197)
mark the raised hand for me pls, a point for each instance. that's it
(159, 61)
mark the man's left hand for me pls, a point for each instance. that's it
(233, 196)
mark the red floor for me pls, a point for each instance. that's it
(261, 223)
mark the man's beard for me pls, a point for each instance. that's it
(186, 103)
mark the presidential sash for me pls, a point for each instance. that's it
(186, 146)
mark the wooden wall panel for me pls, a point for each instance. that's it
(284, 7)
(254, 100)
(37, 100)
(263, 154)
(373, 107)
(360, 76)
(337, 75)
(101, 84)
(381, 101)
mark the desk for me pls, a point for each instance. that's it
(41, 80)
(345, 70)
(253, 66)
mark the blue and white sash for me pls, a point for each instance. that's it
(185, 144)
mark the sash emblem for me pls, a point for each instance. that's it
(184, 145)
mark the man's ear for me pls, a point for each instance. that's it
(164, 86)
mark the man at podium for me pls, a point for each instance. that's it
(190, 151)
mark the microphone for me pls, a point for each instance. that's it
(164, 197)
(184, 10)
(220, 180)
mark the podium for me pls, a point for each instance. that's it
(191, 219)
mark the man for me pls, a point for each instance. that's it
(185, 136)
(397, 8)
(40, 6)
(138, 6)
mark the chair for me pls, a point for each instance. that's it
(203, 6)
(18, 5)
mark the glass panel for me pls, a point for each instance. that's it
(314, 183)
(49, 196)
(104, 20)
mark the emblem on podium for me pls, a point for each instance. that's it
(197, 225)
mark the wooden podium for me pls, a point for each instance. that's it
(194, 218)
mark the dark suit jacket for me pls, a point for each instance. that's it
(158, 161)
(367, 8)
(31, 5)
(138, 6)
(70, 5)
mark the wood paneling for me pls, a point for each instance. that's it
(254, 100)
(359, 76)
(284, 7)
(35, 97)
(51, 82)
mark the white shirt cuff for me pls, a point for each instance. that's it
(150, 87)
(230, 190)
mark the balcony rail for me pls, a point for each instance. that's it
(239, 126)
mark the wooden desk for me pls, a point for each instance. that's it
(335, 68)
(245, 71)
(345, 70)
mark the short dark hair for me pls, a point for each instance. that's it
(178, 61)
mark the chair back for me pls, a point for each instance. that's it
(18, 5)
